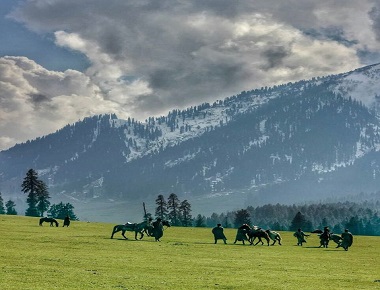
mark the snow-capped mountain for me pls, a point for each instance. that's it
(295, 142)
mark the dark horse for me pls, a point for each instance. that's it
(131, 227)
(49, 220)
(259, 233)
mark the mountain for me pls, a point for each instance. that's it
(297, 142)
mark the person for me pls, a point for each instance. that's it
(325, 237)
(66, 221)
(218, 232)
(300, 235)
(158, 229)
(241, 234)
(347, 240)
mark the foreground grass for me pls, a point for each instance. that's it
(84, 257)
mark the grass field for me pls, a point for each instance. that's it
(84, 257)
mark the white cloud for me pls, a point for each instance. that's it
(35, 101)
(150, 56)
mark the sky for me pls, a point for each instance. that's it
(64, 60)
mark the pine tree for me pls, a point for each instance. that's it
(43, 196)
(161, 209)
(242, 217)
(173, 207)
(10, 205)
(300, 222)
(200, 221)
(185, 213)
(2, 209)
(33, 187)
(60, 211)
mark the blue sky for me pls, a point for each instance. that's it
(63, 60)
(16, 40)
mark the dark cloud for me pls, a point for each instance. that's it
(274, 56)
(38, 98)
(374, 15)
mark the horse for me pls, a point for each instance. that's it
(49, 220)
(257, 232)
(131, 227)
(274, 236)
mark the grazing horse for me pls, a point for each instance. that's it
(131, 227)
(49, 220)
(257, 232)
(274, 236)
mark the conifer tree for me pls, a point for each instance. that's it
(200, 221)
(300, 222)
(2, 209)
(37, 193)
(242, 217)
(185, 213)
(43, 197)
(161, 209)
(173, 207)
(10, 205)
(61, 210)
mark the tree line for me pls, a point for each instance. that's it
(360, 218)
(172, 209)
(38, 200)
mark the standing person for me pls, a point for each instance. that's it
(66, 221)
(300, 235)
(219, 234)
(158, 229)
(347, 240)
(325, 237)
(242, 232)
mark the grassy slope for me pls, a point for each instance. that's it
(84, 257)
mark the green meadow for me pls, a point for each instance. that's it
(84, 257)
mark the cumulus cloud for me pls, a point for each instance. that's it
(150, 56)
(35, 101)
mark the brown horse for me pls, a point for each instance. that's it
(259, 233)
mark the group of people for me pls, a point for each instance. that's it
(344, 240)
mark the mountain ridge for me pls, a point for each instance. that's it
(265, 144)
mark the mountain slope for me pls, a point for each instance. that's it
(295, 142)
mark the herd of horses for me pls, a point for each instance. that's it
(247, 233)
